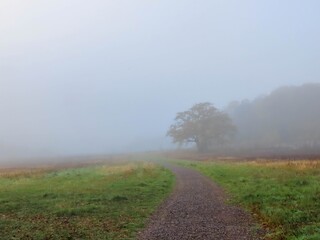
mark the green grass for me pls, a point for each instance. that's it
(285, 197)
(98, 202)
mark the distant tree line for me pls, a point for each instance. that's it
(288, 119)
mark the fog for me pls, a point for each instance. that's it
(80, 77)
(286, 121)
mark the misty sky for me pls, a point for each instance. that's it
(109, 75)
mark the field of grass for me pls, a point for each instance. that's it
(110, 201)
(283, 195)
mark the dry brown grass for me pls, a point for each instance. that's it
(34, 169)
(116, 169)
(127, 168)
(24, 173)
(295, 164)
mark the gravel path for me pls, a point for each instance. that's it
(196, 210)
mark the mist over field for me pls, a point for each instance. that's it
(80, 78)
(285, 120)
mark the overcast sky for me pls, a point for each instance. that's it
(108, 75)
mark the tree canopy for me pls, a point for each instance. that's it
(202, 124)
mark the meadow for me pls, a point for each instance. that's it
(284, 196)
(104, 201)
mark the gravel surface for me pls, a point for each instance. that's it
(197, 210)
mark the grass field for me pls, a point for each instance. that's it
(109, 201)
(283, 195)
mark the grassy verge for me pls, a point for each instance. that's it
(98, 202)
(285, 196)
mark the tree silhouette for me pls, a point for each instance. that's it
(202, 124)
